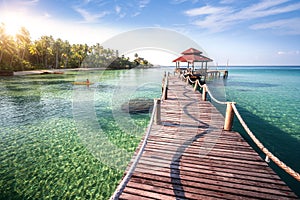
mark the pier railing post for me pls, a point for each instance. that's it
(229, 117)
(204, 93)
(196, 85)
(166, 89)
(157, 118)
(162, 85)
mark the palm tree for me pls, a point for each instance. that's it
(7, 46)
(66, 53)
(2, 40)
(23, 41)
(34, 50)
(58, 49)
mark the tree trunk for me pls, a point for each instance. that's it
(46, 61)
(11, 61)
(56, 59)
(23, 55)
(1, 56)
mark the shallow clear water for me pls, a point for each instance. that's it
(65, 141)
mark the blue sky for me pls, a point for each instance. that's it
(245, 32)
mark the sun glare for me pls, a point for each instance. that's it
(13, 22)
(154, 56)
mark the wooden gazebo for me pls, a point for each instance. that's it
(191, 56)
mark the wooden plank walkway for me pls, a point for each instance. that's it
(189, 156)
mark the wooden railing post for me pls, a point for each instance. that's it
(204, 93)
(162, 85)
(196, 85)
(157, 118)
(166, 89)
(229, 117)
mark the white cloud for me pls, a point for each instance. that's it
(136, 14)
(205, 11)
(47, 15)
(86, 1)
(266, 8)
(227, 1)
(30, 2)
(89, 17)
(118, 9)
(296, 52)
(183, 1)
(212, 18)
(143, 3)
(284, 26)
(220, 18)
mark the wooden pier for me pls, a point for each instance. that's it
(217, 73)
(190, 156)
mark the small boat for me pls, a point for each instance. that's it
(82, 83)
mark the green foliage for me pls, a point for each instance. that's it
(20, 53)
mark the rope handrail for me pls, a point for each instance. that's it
(126, 179)
(210, 94)
(191, 80)
(269, 155)
(200, 84)
(213, 98)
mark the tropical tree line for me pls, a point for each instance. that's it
(19, 52)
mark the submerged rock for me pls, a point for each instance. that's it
(139, 105)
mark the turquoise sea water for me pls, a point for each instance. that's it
(268, 98)
(65, 141)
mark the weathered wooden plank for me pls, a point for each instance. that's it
(190, 181)
(210, 185)
(187, 192)
(218, 176)
(162, 162)
(189, 156)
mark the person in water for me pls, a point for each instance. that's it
(87, 81)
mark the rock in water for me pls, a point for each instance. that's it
(139, 105)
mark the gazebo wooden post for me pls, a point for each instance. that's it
(192, 55)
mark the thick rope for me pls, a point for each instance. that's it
(269, 155)
(213, 98)
(191, 80)
(281, 164)
(200, 84)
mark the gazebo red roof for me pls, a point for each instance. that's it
(192, 58)
(192, 55)
(191, 51)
